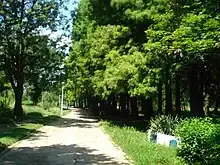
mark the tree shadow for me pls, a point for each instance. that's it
(57, 155)
(85, 113)
(120, 121)
(56, 121)
(36, 117)
(12, 134)
(66, 122)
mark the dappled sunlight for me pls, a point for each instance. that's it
(73, 139)
(56, 155)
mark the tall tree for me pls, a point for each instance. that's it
(21, 21)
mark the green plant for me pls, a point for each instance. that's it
(198, 140)
(49, 100)
(5, 103)
(164, 124)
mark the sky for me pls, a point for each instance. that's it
(65, 40)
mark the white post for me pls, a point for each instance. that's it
(59, 100)
(61, 110)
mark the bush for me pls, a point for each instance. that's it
(6, 114)
(49, 100)
(2, 147)
(164, 124)
(198, 139)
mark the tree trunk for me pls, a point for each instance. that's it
(216, 105)
(168, 87)
(128, 105)
(103, 109)
(160, 98)
(108, 106)
(134, 107)
(18, 110)
(177, 97)
(80, 103)
(94, 105)
(89, 102)
(77, 103)
(114, 105)
(196, 86)
(123, 104)
(74, 104)
(147, 108)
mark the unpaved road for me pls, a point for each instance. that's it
(76, 139)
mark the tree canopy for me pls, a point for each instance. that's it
(147, 50)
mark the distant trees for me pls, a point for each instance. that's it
(158, 55)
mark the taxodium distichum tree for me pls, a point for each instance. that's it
(159, 55)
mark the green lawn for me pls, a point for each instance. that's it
(136, 146)
(35, 117)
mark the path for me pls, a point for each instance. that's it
(74, 140)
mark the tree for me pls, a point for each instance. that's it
(44, 69)
(21, 22)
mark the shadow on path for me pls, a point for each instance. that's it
(84, 120)
(56, 155)
(72, 140)
(140, 123)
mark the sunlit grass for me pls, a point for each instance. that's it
(135, 144)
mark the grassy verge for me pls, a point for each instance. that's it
(35, 117)
(135, 144)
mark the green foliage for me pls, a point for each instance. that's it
(165, 124)
(45, 70)
(6, 100)
(49, 100)
(134, 47)
(198, 140)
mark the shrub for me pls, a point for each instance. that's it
(49, 100)
(6, 114)
(164, 124)
(198, 140)
(2, 146)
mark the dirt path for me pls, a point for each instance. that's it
(74, 140)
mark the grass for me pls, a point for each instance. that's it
(135, 144)
(35, 118)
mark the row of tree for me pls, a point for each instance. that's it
(156, 54)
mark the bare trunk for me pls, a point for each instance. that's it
(168, 87)
(196, 86)
(147, 108)
(18, 110)
(94, 106)
(160, 98)
(216, 105)
(114, 105)
(134, 107)
(123, 104)
(177, 97)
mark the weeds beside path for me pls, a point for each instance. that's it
(35, 118)
(135, 144)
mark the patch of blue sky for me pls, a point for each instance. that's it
(62, 31)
